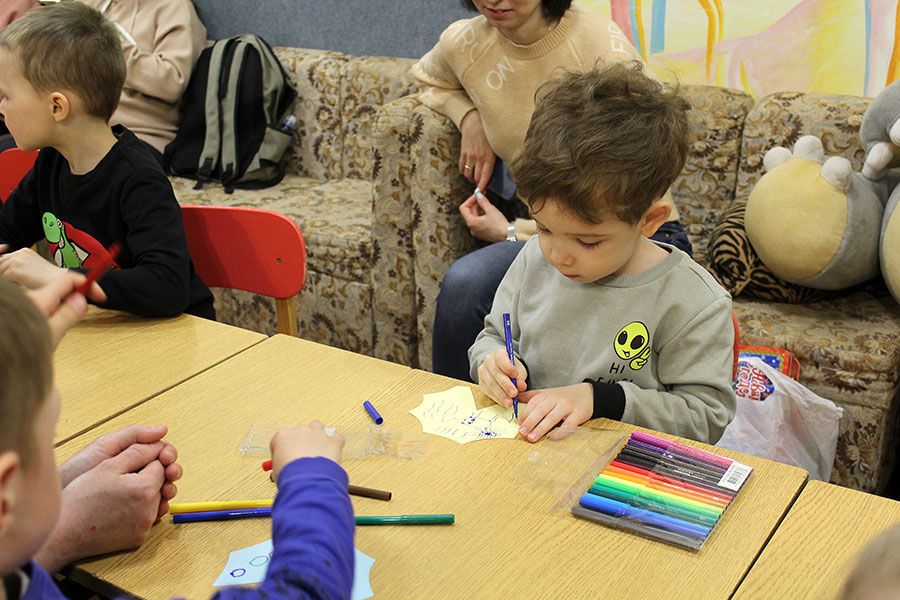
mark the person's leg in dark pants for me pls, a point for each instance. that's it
(672, 232)
(466, 295)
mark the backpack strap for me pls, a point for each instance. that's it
(209, 155)
(273, 76)
(228, 107)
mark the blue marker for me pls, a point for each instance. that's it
(512, 359)
(640, 516)
(222, 515)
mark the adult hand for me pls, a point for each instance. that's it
(476, 158)
(113, 444)
(109, 508)
(495, 376)
(484, 220)
(27, 267)
(304, 441)
(62, 307)
(572, 405)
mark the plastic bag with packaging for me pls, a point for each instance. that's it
(780, 419)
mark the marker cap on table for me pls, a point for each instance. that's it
(373, 413)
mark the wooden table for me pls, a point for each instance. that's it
(814, 549)
(112, 361)
(506, 541)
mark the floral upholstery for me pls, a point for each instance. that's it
(327, 191)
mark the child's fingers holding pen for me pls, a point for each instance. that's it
(492, 387)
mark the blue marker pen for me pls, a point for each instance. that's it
(512, 359)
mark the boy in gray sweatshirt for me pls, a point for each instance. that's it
(604, 321)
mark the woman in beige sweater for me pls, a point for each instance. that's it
(161, 40)
(483, 74)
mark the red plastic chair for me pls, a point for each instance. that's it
(249, 249)
(14, 164)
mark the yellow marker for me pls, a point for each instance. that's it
(190, 507)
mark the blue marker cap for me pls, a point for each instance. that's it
(373, 413)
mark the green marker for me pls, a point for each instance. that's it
(407, 520)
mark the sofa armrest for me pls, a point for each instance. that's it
(418, 231)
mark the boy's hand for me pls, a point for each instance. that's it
(572, 405)
(27, 267)
(495, 377)
(62, 307)
(304, 441)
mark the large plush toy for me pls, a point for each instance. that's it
(816, 223)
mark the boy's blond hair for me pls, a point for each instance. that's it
(26, 368)
(608, 141)
(876, 575)
(70, 46)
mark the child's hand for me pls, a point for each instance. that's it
(27, 267)
(63, 308)
(304, 441)
(572, 405)
(495, 377)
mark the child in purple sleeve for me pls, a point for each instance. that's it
(312, 520)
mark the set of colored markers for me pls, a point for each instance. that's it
(664, 490)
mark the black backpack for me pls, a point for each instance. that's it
(236, 122)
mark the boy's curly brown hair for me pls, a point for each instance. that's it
(607, 141)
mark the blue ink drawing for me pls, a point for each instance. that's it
(249, 565)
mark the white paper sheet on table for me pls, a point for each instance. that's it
(452, 414)
(248, 565)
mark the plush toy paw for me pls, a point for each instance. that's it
(815, 224)
(880, 136)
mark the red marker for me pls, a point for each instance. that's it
(98, 271)
(267, 465)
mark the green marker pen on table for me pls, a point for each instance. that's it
(407, 520)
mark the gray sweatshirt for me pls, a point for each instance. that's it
(664, 336)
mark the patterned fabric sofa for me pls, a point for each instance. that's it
(847, 346)
(327, 191)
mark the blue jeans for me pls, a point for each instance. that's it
(467, 293)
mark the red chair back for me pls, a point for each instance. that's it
(255, 250)
(14, 164)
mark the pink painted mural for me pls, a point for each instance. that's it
(764, 46)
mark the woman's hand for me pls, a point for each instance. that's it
(484, 220)
(476, 158)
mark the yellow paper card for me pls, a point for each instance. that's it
(452, 414)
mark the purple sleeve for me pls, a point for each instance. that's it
(312, 535)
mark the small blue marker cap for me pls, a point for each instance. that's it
(373, 413)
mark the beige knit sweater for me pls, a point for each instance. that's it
(474, 66)
(161, 42)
